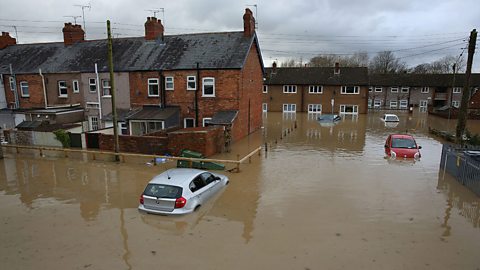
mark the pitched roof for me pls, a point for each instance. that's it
(223, 117)
(419, 80)
(317, 75)
(226, 50)
(154, 113)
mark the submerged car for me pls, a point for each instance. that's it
(402, 146)
(329, 118)
(180, 191)
(390, 118)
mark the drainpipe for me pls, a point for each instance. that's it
(196, 94)
(98, 94)
(44, 88)
(15, 94)
(163, 94)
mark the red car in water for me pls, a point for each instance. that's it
(402, 146)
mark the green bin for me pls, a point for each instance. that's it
(197, 164)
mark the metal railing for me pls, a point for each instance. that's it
(463, 164)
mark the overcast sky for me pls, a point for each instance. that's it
(416, 30)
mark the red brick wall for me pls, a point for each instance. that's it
(207, 141)
(475, 101)
(35, 89)
(139, 88)
(135, 144)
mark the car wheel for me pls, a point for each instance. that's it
(196, 208)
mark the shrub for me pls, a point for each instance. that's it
(62, 136)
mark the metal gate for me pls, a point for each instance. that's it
(463, 164)
(92, 140)
(75, 140)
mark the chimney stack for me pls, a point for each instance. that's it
(274, 67)
(6, 40)
(248, 23)
(153, 29)
(72, 33)
(337, 68)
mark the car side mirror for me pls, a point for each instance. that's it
(386, 146)
(419, 147)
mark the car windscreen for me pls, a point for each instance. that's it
(163, 191)
(403, 143)
(391, 118)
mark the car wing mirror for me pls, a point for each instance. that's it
(386, 146)
(419, 147)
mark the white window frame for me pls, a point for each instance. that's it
(185, 121)
(92, 105)
(315, 89)
(92, 82)
(60, 88)
(457, 90)
(394, 89)
(169, 83)
(265, 89)
(205, 83)
(153, 82)
(356, 90)
(370, 103)
(12, 83)
(76, 86)
(206, 120)
(403, 104)
(264, 107)
(377, 103)
(393, 104)
(93, 121)
(314, 108)
(344, 106)
(456, 104)
(289, 89)
(289, 108)
(425, 90)
(191, 79)
(23, 85)
(378, 89)
(370, 89)
(109, 87)
(405, 90)
(423, 103)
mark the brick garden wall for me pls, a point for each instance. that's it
(135, 144)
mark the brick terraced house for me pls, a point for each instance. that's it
(194, 79)
(316, 89)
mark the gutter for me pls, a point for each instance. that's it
(98, 94)
(44, 88)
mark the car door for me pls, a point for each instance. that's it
(210, 183)
(199, 189)
(387, 145)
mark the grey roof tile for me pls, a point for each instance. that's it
(317, 75)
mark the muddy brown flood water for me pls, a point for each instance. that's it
(322, 198)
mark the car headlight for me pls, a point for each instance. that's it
(393, 154)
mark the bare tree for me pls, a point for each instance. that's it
(291, 63)
(386, 62)
(441, 66)
(358, 59)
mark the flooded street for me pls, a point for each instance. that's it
(322, 197)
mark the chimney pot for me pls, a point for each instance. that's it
(6, 40)
(153, 29)
(72, 34)
(248, 23)
(337, 68)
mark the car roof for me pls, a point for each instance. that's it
(390, 114)
(401, 136)
(176, 176)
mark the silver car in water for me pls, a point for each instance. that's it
(180, 191)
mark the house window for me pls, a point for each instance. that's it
(124, 128)
(349, 109)
(370, 89)
(169, 83)
(377, 103)
(403, 104)
(92, 83)
(405, 89)
(93, 122)
(24, 89)
(423, 103)
(62, 89)
(206, 121)
(12, 84)
(144, 127)
(265, 89)
(188, 122)
(92, 105)
(378, 89)
(393, 104)
(348, 90)
(394, 89)
(76, 86)
(191, 83)
(457, 90)
(314, 108)
(289, 89)
(265, 107)
(106, 88)
(425, 90)
(369, 103)
(153, 88)
(315, 89)
(455, 103)
(289, 108)
(208, 87)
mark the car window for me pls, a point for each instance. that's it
(403, 143)
(207, 177)
(163, 191)
(196, 184)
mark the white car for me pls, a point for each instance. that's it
(180, 191)
(390, 118)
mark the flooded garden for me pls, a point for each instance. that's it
(320, 197)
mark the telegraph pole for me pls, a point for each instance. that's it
(112, 91)
(462, 113)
